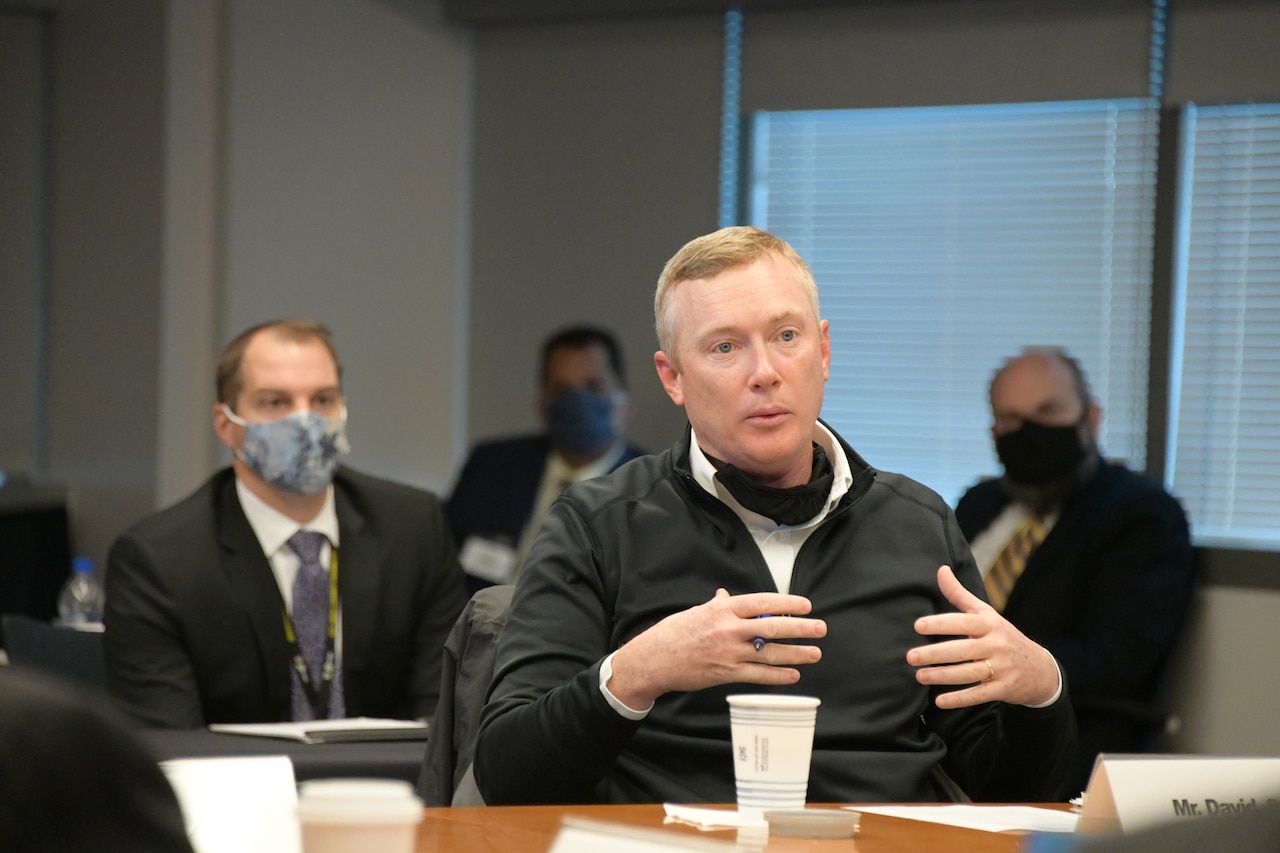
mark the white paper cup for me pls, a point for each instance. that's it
(358, 816)
(772, 746)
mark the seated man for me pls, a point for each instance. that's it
(506, 486)
(286, 587)
(643, 596)
(1103, 575)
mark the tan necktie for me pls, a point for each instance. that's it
(534, 524)
(1012, 560)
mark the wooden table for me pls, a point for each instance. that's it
(531, 829)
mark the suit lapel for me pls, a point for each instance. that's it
(1067, 534)
(358, 589)
(253, 584)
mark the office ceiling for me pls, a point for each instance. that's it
(530, 11)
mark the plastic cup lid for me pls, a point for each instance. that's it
(813, 823)
(773, 700)
(358, 801)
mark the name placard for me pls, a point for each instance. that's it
(1133, 792)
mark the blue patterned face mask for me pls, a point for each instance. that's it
(298, 453)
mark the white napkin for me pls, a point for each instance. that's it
(710, 819)
(987, 818)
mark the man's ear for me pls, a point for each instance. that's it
(228, 433)
(1095, 419)
(669, 376)
(825, 330)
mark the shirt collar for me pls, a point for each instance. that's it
(273, 528)
(559, 471)
(705, 475)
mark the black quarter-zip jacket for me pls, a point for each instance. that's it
(621, 552)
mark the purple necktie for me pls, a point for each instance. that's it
(311, 622)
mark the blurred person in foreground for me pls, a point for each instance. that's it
(643, 596)
(74, 777)
(286, 587)
(1082, 554)
(506, 485)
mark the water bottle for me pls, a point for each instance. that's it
(80, 602)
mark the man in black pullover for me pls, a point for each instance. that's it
(644, 593)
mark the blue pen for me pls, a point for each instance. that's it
(758, 642)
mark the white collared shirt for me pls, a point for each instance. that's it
(778, 543)
(273, 530)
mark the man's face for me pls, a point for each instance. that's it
(1034, 388)
(753, 357)
(584, 369)
(281, 377)
(579, 369)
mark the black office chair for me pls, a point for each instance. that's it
(73, 656)
(464, 685)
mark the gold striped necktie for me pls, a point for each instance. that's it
(1009, 565)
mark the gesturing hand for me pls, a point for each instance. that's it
(712, 643)
(995, 658)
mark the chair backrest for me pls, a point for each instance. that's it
(465, 675)
(464, 685)
(73, 656)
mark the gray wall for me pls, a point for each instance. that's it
(91, 329)
(216, 163)
(345, 168)
(22, 172)
(596, 156)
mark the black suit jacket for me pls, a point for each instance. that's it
(495, 491)
(75, 778)
(193, 612)
(1107, 592)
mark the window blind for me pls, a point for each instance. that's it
(945, 239)
(1225, 405)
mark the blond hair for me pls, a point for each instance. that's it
(708, 256)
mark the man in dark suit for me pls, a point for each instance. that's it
(507, 485)
(1105, 578)
(75, 778)
(286, 587)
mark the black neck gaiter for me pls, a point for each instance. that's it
(795, 505)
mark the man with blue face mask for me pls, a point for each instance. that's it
(287, 587)
(507, 485)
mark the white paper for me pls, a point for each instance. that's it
(237, 805)
(315, 730)
(986, 818)
(581, 835)
(712, 818)
(488, 560)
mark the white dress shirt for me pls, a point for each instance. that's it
(273, 530)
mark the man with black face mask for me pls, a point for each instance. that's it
(1084, 555)
(507, 485)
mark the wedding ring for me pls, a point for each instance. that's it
(991, 671)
